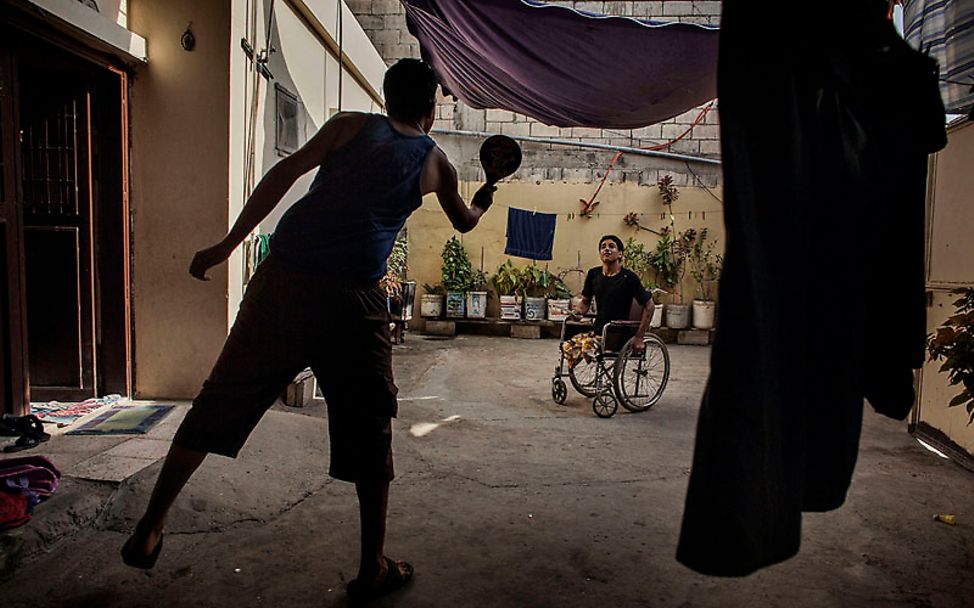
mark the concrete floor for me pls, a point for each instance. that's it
(517, 502)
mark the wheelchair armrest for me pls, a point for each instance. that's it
(620, 324)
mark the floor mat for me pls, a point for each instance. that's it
(132, 420)
(64, 414)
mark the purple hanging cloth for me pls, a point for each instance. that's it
(565, 67)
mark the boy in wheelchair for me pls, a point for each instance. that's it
(614, 288)
(608, 359)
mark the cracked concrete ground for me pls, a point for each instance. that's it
(510, 500)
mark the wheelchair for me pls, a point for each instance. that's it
(615, 374)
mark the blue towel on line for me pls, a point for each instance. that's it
(530, 234)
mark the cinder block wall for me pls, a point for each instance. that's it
(385, 23)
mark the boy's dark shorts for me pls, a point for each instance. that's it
(289, 321)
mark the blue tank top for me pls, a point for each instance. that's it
(346, 225)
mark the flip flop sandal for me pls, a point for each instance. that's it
(24, 442)
(28, 426)
(133, 558)
(398, 573)
(34, 428)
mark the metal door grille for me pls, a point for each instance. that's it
(50, 161)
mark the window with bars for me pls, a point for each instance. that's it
(50, 161)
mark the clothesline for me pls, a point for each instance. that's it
(662, 215)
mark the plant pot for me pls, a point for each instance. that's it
(454, 305)
(703, 314)
(534, 309)
(677, 316)
(476, 304)
(657, 319)
(558, 310)
(510, 308)
(431, 306)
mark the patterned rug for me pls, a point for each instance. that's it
(132, 420)
(65, 413)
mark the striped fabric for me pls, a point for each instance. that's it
(945, 30)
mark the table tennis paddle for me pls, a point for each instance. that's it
(500, 156)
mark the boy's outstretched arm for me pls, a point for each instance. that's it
(274, 185)
(440, 177)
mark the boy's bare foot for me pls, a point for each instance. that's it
(393, 575)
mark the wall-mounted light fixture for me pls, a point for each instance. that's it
(188, 40)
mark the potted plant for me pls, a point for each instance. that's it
(559, 299)
(431, 303)
(457, 274)
(477, 296)
(705, 268)
(537, 282)
(954, 343)
(637, 259)
(668, 261)
(508, 283)
(399, 291)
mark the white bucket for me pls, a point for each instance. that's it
(657, 320)
(431, 305)
(703, 314)
(677, 316)
(476, 304)
(510, 308)
(534, 309)
(558, 310)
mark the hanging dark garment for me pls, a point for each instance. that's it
(565, 67)
(530, 234)
(826, 126)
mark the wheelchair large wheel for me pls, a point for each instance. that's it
(605, 405)
(584, 376)
(640, 380)
(559, 391)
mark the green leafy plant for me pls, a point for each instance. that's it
(537, 281)
(953, 343)
(396, 266)
(667, 260)
(704, 264)
(457, 272)
(636, 259)
(478, 281)
(507, 281)
(559, 290)
(434, 290)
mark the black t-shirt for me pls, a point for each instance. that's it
(613, 295)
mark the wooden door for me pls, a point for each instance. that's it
(56, 185)
(13, 367)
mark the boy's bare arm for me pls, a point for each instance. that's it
(274, 185)
(440, 177)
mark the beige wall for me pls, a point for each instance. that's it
(189, 135)
(935, 392)
(179, 139)
(949, 266)
(576, 239)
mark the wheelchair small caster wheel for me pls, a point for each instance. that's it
(559, 391)
(604, 405)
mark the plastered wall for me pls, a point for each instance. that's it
(576, 238)
(179, 147)
(949, 266)
(191, 135)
